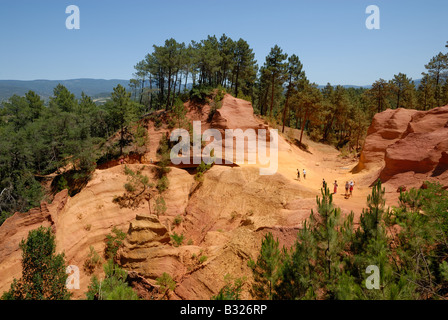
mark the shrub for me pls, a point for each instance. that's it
(230, 291)
(166, 282)
(199, 94)
(177, 239)
(92, 262)
(177, 220)
(113, 287)
(3, 216)
(160, 207)
(141, 136)
(113, 242)
(157, 123)
(162, 184)
(201, 169)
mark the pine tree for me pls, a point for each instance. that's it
(244, 68)
(436, 67)
(404, 90)
(307, 103)
(122, 111)
(426, 93)
(35, 103)
(379, 94)
(275, 66)
(266, 269)
(43, 271)
(63, 99)
(294, 72)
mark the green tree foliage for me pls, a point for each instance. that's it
(266, 269)
(38, 139)
(379, 94)
(160, 206)
(166, 283)
(276, 68)
(404, 90)
(232, 289)
(178, 239)
(330, 256)
(113, 241)
(306, 104)
(436, 70)
(63, 99)
(122, 111)
(244, 68)
(112, 287)
(43, 271)
(138, 188)
(207, 63)
(294, 73)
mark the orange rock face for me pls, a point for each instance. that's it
(408, 145)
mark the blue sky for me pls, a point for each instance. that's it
(329, 36)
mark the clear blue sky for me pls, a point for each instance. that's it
(329, 36)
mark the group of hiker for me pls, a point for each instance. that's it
(348, 187)
(298, 174)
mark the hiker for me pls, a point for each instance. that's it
(298, 174)
(304, 174)
(352, 184)
(324, 184)
(347, 186)
(121, 160)
(335, 186)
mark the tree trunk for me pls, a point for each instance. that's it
(285, 109)
(272, 96)
(121, 140)
(186, 80)
(303, 127)
(150, 92)
(174, 91)
(141, 90)
(169, 89)
(236, 82)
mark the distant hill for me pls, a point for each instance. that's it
(96, 88)
(416, 83)
(346, 86)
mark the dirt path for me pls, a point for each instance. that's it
(326, 162)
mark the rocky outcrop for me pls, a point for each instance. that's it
(387, 128)
(146, 248)
(234, 114)
(404, 142)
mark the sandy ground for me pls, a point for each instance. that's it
(325, 162)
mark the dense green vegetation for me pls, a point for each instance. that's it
(164, 74)
(39, 139)
(408, 244)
